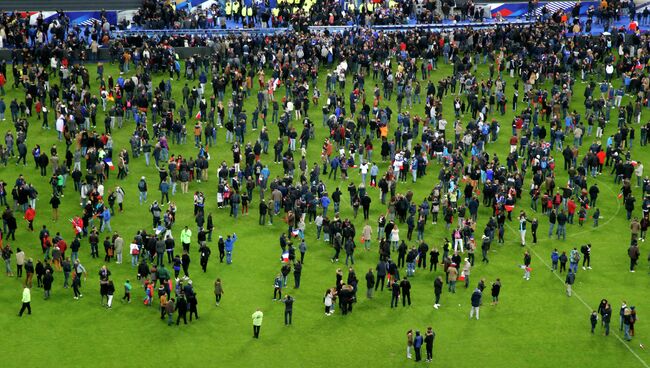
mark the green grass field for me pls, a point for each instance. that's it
(535, 324)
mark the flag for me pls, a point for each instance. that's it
(198, 115)
(160, 229)
(295, 232)
(509, 208)
(109, 162)
(285, 256)
(77, 224)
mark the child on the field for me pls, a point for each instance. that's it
(596, 216)
(582, 215)
(127, 291)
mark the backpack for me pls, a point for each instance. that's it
(575, 257)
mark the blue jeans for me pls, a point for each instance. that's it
(74, 257)
(410, 268)
(349, 256)
(106, 224)
(143, 197)
(229, 257)
(134, 259)
(561, 231)
(550, 230)
(626, 328)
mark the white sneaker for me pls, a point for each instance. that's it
(584, 268)
(436, 306)
(589, 268)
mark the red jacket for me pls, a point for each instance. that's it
(30, 214)
(571, 206)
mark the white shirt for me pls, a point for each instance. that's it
(364, 168)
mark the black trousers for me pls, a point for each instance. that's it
(404, 297)
(287, 317)
(182, 315)
(429, 352)
(256, 331)
(381, 280)
(418, 354)
(25, 306)
(394, 301)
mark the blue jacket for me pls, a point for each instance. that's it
(230, 243)
(417, 342)
(476, 298)
(555, 256)
(106, 215)
(325, 201)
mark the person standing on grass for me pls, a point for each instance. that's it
(381, 275)
(127, 291)
(48, 279)
(476, 303)
(181, 308)
(452, 273)
(170, 306)
(288, 309)
(627, 321)
(221, 245)
(417, 346)
(277, 287)
(437, 290)
(496, 290)
(204, 252)
(621, 312)
(633, 253)
(186, 237)
(218, 291)
(370, 283)
(229, 245)
(586, 256)
(76, 284)
(593, 318)
(405, 285)
(257, 317)
(394, 294)
(110, 291)
(297, 272)
(428, 341)
(569, 281)
(409, 343)
(607, 317)
(26, 299)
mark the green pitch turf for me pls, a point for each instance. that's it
(535, 324)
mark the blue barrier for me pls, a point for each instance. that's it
(198, 32)
(332, 29)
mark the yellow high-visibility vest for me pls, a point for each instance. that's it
(229, 8)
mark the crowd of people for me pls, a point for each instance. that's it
(277, 77)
